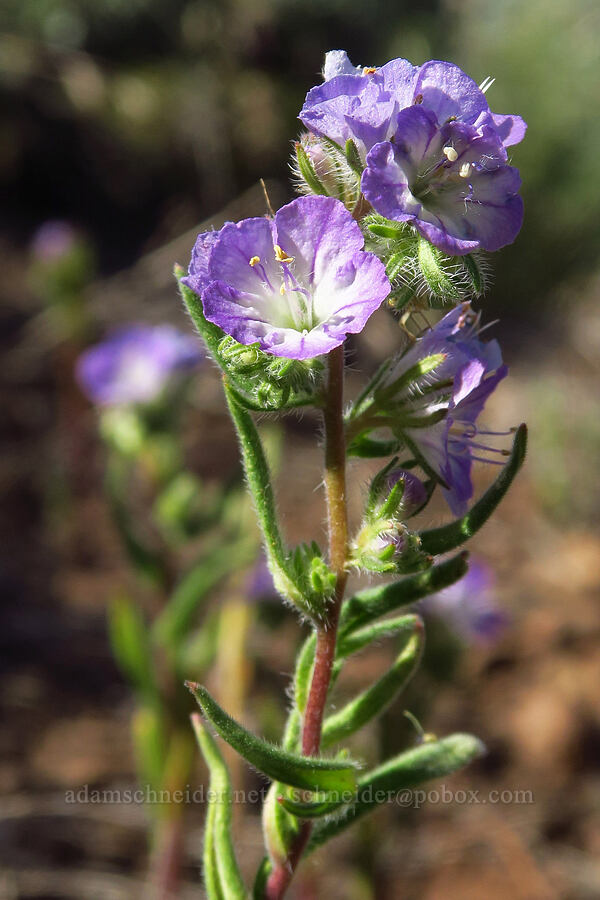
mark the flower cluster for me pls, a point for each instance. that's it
(434, 153)
(415, 154)
(435, 413)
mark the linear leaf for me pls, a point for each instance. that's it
(130, 645)
(372, 603)
(313, 774)
(372, 701)
(223, 878)
(429, 760)
(448, 537)
(362, 637)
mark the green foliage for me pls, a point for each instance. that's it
(372, 603)
(280, 765)
(431, 759)
(221, 873)
(375, 699)
(130, 644)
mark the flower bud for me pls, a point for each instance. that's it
(319, 167)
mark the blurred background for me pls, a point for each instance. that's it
(138, 124)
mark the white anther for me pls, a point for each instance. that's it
(450, 154)
(465, 170)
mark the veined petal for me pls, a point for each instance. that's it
(198, 278)
(319, 233)
(346, 297)
(447, 91)
(511, 129)
(244, 255)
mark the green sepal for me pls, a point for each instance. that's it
(221, 872)
(448, 537)
(372, 603)
(309, 773)
(352, 155)
(431, 759)
(357, 640)
(307, 171)
(433, 264)
(365, 447)
(130, 644)
(372, 701)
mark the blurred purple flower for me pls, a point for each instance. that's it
(459, 386)
(469, 606)
(134, 364)
(53, 240)
(297, 285)
(259, 583)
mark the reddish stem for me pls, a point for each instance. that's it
(337, 517)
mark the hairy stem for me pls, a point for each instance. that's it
(337, 517)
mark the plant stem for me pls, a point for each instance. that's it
(337, 517)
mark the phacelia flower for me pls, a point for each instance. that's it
(435, 154)
(469, 606)
(466, 373)
(363, 104)
(297, 285)
(135, 364)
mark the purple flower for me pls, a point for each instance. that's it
(451, 182)
(297, 285)
(53, 240)
(364, 107)
(459, 387)
(469, 606)
(134, 364)
(435, 154)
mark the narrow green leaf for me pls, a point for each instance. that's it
(148, 741)
(429, 760)
(448, 537)
(362, 637)
(261, 489)
(177, 617)
(372, 701)
(223, 878)
(370, 604)
(312, 774)
(212, 882)
(354, 160)
(141, 555)
(303, 673)
(260, 881)
(130, 645)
